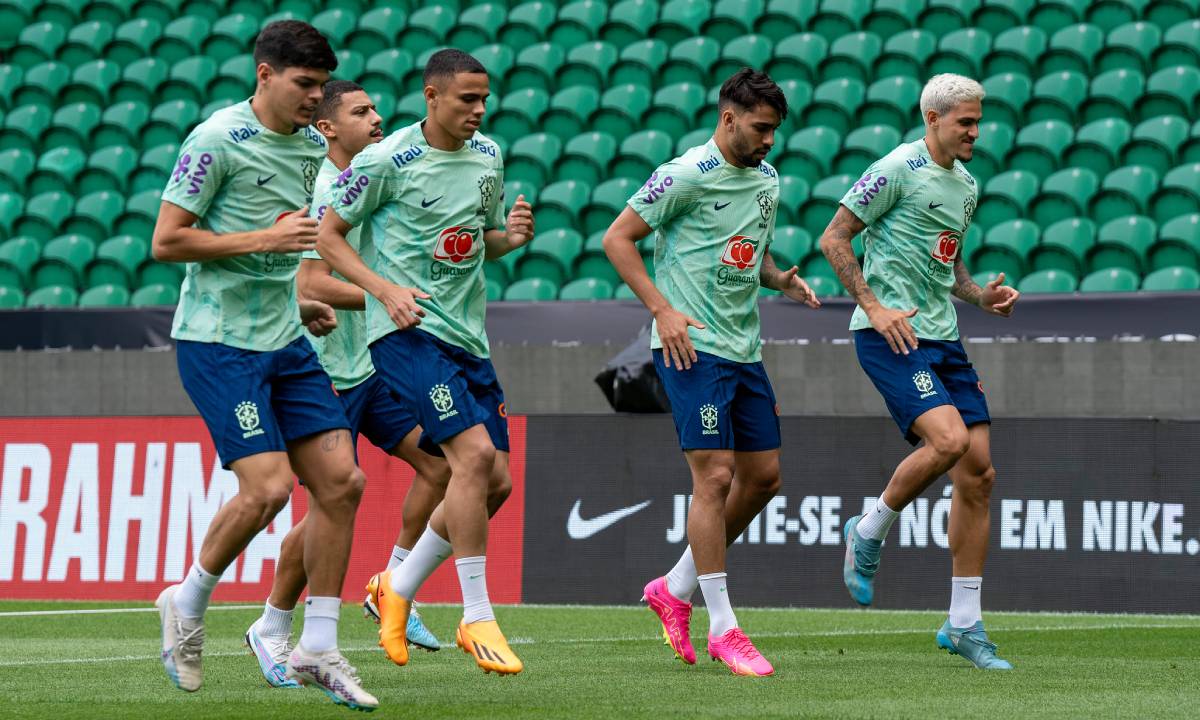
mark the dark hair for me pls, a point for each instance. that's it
(450, 62)
(334, 90)
(747, 88)
(293, 43)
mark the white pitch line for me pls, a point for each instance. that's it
(649, 638)
(105, 611)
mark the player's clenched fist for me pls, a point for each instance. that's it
(519, 226)
(294, 232)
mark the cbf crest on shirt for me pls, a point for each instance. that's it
(917, 214)
(236, 175)
(424, 212)
(713, 223)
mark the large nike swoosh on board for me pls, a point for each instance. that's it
(580, 529)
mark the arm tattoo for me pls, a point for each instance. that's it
(768, 273)
(965, 288)
(835, 243)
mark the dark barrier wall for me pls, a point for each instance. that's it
(1087, 514)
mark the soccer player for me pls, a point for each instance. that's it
(713, 214)
(430, 204)
(349, 122)
(916, 204)
(234, 211)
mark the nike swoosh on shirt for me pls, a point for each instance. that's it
(935, 206)
(426, 203)
(580, 529)
(263, 181)
(720, 206)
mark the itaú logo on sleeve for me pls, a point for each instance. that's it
(456, 244)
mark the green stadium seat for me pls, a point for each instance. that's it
(790, 245)
(1172, 279)
(1156, 143)
(210, 10)
(835, 103)
(132, 40)
(1124, 242)
(1097, 144)
(1180, 46)
(84, 43)
(679, 20)
(585, 158)
(426, 29)
(821, 205)
(41, 85)
(961, 51)
(1006, 197)
(531, 290)
(11, 206)
(63, 261)
(162, 11)
(638, 63)
(377, 30)
(710, 114)
(887, 18)
(621, 110)
(14, 16)
(986, 276)
(15, 166)
(1054, 15)
(531, 158)
(607, 202)
(181, 38)
(797, 57)
(1124, 191)
(906, 54)
(836, 18)
(998, 16)
(588, 288)
(214, 106)
(153, 272)
(493, 287)
(569, 111)
(1129, 47)
(519, 113)
(578, 22)
(141, 212)
(1170, 91)
(477, 25)
(994, 141)
(943, 17)
(1064, 246)
(1072, 49)
(336, 24)
(628, 22)
(851, 56)
(864, 146)
(1189, 151)
(691, 61)
(1039, 147)
(18, 256)
(91, 83)
(550, 256)
(1005, 248)
(733, 18)
(1015, 51)
(1113, 94)
(11, 298)
(383, 69)
(170, 122)
(1057, 96)
(1178, 243)
(53, 296)
(744, 51)
(37, 43)
(154, 167)
(140, 81)
(793, 193)
(674, 109)
(1066, 193)
(536, 67)
(527, 24)
(1115, 279)
(782, 18)
(11, 77)
(1047, 282)
(104, 296)
(588, 65)
(231, 36)
(235, 79)
(411, 109)
(560, 204)
(593, 263)
(72, 126)
(1178, 195)
(810, 153)
(797, 92)
(1169, 13)
(56, 170)
(825, 286)
(351, 63)
(117, 260)
(515, 188)
(1006, 97)
(1111, 14)
(95, 214)
(639, 154)
(189, 80)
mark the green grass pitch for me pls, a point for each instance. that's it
(588, 662)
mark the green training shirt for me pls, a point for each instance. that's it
(236, 176)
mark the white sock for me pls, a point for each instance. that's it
(398, 556)
(716, 597)
(191, 599)
(472, 577)
(682, 581)
(429, 552)
(875, 524)
(964, 601)
(320, 624)
(275, 621)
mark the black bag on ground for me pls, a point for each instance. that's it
(630, 382)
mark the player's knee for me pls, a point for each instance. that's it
(951, 443)
(479, 458)
(344, 488)
(767, 480)
(499, 489)
(268, 499)
(713, 483)
(979, 484)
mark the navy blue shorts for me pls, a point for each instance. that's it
(446, 387)
(254, 401)
(936, 373)
(373, 411)
(720, 404)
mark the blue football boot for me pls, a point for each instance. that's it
(861, 564)
(973, 644)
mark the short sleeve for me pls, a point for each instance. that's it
(361, 188)
(670, 192)
(877, 191)
(495, 209)
(199, 172)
